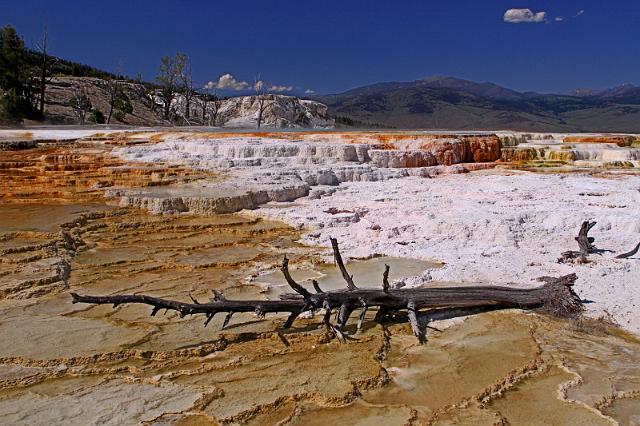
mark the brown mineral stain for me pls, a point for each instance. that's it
(79, 173)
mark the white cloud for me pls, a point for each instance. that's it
(516, 16)
(561, 18)
(227, 82)
(309, 92)
(274, 88)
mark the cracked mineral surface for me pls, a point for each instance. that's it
(71, 221)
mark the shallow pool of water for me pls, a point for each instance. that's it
(366, 273)
(41, 217)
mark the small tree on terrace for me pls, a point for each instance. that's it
(216, 104)
(171, 69)
(113, 88)
(205, 107)
(45, 68)
(186, 83)
(118, 99)
(119, 103)
(81, 104)
(261, 97)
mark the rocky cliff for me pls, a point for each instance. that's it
(146, 107)
(282, 111)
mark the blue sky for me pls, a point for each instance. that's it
(334, 45)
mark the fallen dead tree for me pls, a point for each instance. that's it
(422, 305)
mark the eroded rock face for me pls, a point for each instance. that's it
(446, 151)
(210, 198)
(61, 90)
(280, 111)
(235, 150)
(395, 158)
(481, 149)
(515, 154)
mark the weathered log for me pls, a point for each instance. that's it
(555, 297)
(422, 298)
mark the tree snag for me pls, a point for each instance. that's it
(585, 245)
(555, 297)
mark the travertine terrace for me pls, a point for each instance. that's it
(179, 214)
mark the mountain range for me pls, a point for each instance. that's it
(456, 104)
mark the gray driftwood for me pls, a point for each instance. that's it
(422, 305)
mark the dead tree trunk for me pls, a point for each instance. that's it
(46, 63)
(262, 106)
(555, 297)
(216, 104)
(585, 245)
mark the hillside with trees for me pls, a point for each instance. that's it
(36, 87)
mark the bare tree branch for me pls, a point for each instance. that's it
(46, 65)
(385, 279)
(629, 253)
(338, 258)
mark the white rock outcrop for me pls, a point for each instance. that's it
(264, 169)
(280, 111)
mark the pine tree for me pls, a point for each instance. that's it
(15, 80)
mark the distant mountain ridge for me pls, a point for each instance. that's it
(452, 103)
